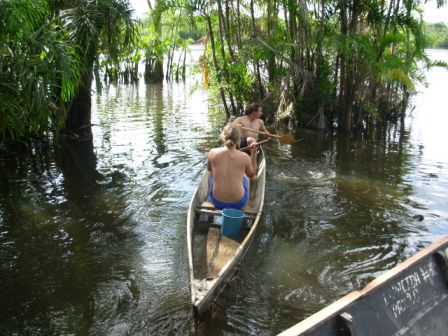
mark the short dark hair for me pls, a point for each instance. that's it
(252, 108)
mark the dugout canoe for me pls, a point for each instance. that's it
(213, 257)
(409, 299)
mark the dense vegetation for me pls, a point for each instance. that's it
(48, 51)
(39, 69)
(329, 64)
(322, 64)
(436, 35)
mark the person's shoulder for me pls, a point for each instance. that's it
(243, 156)
(212, 152)
(215, 151)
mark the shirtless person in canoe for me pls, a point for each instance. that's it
(231, 170)
(251, 119)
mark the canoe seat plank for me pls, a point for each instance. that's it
(206, 205)
(199, 210)
(216, 222)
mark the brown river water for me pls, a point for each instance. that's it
(93, 236)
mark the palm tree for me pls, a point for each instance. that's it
(38, 69)
(99, 28)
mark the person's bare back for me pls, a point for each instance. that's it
(229, 166)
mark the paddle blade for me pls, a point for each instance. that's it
(287, 139)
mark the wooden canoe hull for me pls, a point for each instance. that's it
(220, 255)
(410, 299)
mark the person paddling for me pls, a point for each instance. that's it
(230, 170)
(251, 119)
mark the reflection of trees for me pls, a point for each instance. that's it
(373, 167)
(63, 240)
(154, 93)
(77, 162)
(369, 191)
(348, 208)
(39, 280)
(98, 229)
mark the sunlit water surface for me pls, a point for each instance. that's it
(92, 238)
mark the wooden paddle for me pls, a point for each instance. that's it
(284, 139)
(244, 149)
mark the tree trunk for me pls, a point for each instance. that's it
(272, 15)
(79, 113)
(257, 63)
(223, 32)
(238, 22)
(321, 122)
(215, 63)
(351, 78)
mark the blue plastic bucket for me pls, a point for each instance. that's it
(231, 222)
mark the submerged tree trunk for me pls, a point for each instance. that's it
(154, 60)
(153, 71)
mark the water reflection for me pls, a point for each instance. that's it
(92, 236)
(154, 93)
(77, 162)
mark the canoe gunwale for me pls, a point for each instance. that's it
(318, 319)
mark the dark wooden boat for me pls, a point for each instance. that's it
(410, 299)
(213, 256)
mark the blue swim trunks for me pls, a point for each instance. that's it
(234, 205)
(243, 142)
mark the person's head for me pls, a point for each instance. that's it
(230, 135)
(253, 111)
